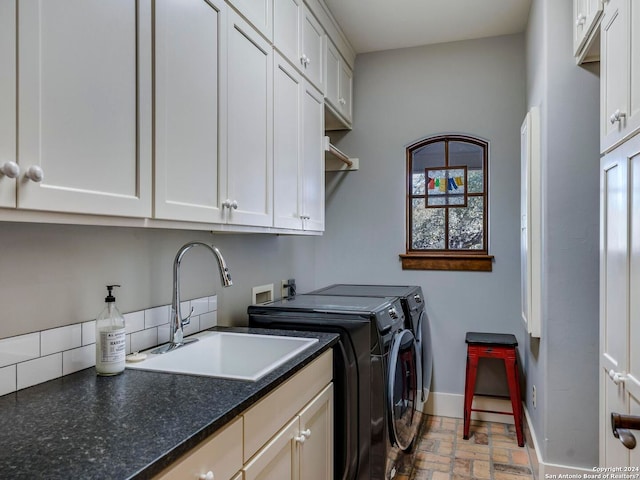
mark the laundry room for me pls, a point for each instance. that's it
(390, 178)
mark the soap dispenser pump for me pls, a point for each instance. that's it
(110, 338)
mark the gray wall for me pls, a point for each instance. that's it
(473, 87)
(564, 363)
(54, 275)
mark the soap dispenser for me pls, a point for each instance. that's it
(110, 338)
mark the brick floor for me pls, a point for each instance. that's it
(491, 453)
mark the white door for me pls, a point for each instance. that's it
(287, 27)
(312, 59)
(84, 106)
(278, 459)
(189, 135)
(287, 145)
(619, 304)
(249, 126)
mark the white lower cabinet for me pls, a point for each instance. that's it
(221, 455)
(288, 435)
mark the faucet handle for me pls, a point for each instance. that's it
(187, 320)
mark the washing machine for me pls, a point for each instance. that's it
(416, 319)
(389, 400)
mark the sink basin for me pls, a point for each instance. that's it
(242, 356)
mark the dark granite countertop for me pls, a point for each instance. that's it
(130, 426)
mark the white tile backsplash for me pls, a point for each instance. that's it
(60, 339)
(27, 360)
(39, 370)
(144, 339)
(19, 349)
(200, 305)
(89, 332)
(156, 316)
(208, 320)
(7, 379)
(78, 359)
(134, 321)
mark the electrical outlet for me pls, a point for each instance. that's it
(533, 396)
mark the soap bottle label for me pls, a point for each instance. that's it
(113, 343)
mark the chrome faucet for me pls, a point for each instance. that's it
(176, 322)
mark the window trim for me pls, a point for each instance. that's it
(446, 259)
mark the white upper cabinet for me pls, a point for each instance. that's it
(287, 145)
(298, 164)
(586, 15)
(312, 159)
(8, 155)
(287, 29)
(190, 117)
(249, 126)
(619, 72)
(312, 50)
(84, 108)
(259, 13)
(339, 85)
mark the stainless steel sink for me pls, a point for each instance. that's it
(242, 356)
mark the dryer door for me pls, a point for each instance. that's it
(402, 392)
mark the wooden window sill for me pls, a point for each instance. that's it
(444, 261)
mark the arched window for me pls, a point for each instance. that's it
(447, 204)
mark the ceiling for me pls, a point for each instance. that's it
(373, 25)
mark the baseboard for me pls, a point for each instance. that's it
(452, 405)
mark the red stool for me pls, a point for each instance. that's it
(493, 345)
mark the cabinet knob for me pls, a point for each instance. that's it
(234, 205)
(300, 438)
(616, 377)
(617, 116)
(306, 433)
(581, 19)
(207, 476)
(304, 60)
(10, 169)
(35, 173)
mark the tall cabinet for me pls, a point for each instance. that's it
(619, 226)
(83, 106)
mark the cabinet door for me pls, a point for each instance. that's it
(7, 101)
(258, 12)
(287, 145)
(316, 423)
(313, 159)
(189, 134)
(346, 88)
(249, 126)
(84, 109)
(332, 83)
(312, 59)
(278, 458)
(221, 455)
(620, 72)
(287, 27)
(586, 15)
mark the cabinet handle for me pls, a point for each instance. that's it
(35, 173)
(616, 377)
(306, 433)
(303, 60)
(581, 19)
(207, 476)
(234, 205)
(617, 116)
(10, 169)
(300, 438)
(622, 425)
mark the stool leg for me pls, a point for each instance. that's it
(514, 392)
(469, 388)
